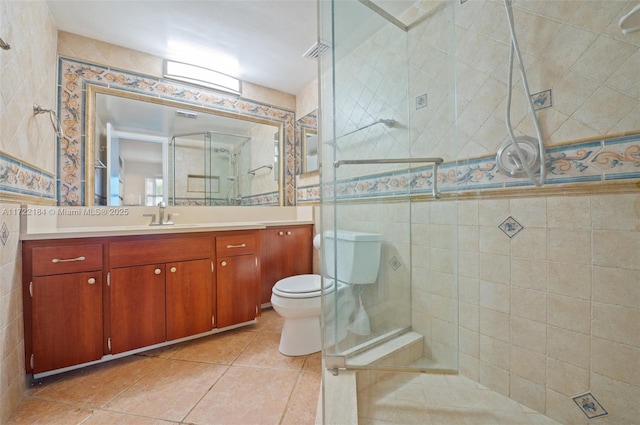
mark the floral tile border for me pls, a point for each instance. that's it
(616, 158)
(19, 178)
(73, 78)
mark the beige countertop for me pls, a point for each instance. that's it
(39, 223)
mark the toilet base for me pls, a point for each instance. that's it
(300, 336)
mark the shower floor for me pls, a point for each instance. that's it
(427, 399)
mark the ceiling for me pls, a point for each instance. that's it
(259, 41)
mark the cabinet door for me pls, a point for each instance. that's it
(237, 289)
(137, 307)
(189, 289)
(66, 320)
(286, 251)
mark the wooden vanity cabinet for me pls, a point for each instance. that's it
(285, 251)
(62, 297)
(161, 289)
(237, 278)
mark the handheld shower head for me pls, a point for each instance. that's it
(37, 109)
(388, 122)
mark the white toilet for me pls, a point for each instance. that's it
(297, 298)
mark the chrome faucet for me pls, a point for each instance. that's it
(160, 221)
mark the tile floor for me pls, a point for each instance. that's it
(424, 399)
(239, 378)
(235, 377)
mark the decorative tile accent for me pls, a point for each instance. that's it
(620, 158)
(75, 76)
(395, 263)
(421, 101)
(598, 161)
(542, 100)
(589, 406)
(510, 227)
(4, 233)
(21, 178)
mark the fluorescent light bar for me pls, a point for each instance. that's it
(201, 76)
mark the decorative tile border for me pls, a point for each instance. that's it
(73, 78)
(616, 158)
(19, 178)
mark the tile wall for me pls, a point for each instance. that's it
(548, 285)
(27, 76)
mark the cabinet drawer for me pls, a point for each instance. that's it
(50, 260)
(231, 245)
(132, 252)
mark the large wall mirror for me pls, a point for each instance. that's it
(142, 150)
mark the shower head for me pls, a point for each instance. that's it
(37, 109)
(388, 122)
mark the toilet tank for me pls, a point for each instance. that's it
(358, 256)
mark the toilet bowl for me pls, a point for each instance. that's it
(298, 298)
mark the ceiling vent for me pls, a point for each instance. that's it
(316, 50)
(186, 114)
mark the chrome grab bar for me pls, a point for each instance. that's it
(58, 260)
(434, 161)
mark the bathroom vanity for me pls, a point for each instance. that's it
(97, 293)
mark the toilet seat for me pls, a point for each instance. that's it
(302, 286)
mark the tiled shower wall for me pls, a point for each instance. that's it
(548, 284)
(27, 76)
(552, 312)
(549, 312)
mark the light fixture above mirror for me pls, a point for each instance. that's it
(200, 76)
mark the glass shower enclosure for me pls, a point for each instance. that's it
(380, 110)
(204, 168)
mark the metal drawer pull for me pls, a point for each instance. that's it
(173, 270)
(91, 280)
(157, 271)
(58, 260)
(242, 245)
(223, 264)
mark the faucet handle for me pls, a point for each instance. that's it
(170, 216)
(153, 219)
(161, 204)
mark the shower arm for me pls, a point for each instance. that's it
(434, 161)
(253, 172)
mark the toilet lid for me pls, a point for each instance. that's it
(302, 286)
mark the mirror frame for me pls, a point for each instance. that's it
(307, 122)
(90, 125)
(76, 160)
(305, 155)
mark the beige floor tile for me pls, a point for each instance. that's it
(246, 395)
(270, 321)
(34, 411)
(101, 417)
(95, 385)
(222, 348)
(170, 391)
(303, 403)
(263, 352)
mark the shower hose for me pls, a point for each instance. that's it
(522, 159)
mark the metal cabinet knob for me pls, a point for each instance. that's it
(223, 264)
(281, 233)
(157, 271)
(173, 269)
(91, 280)
(289, 232)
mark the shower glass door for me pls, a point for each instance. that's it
(373, 178)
